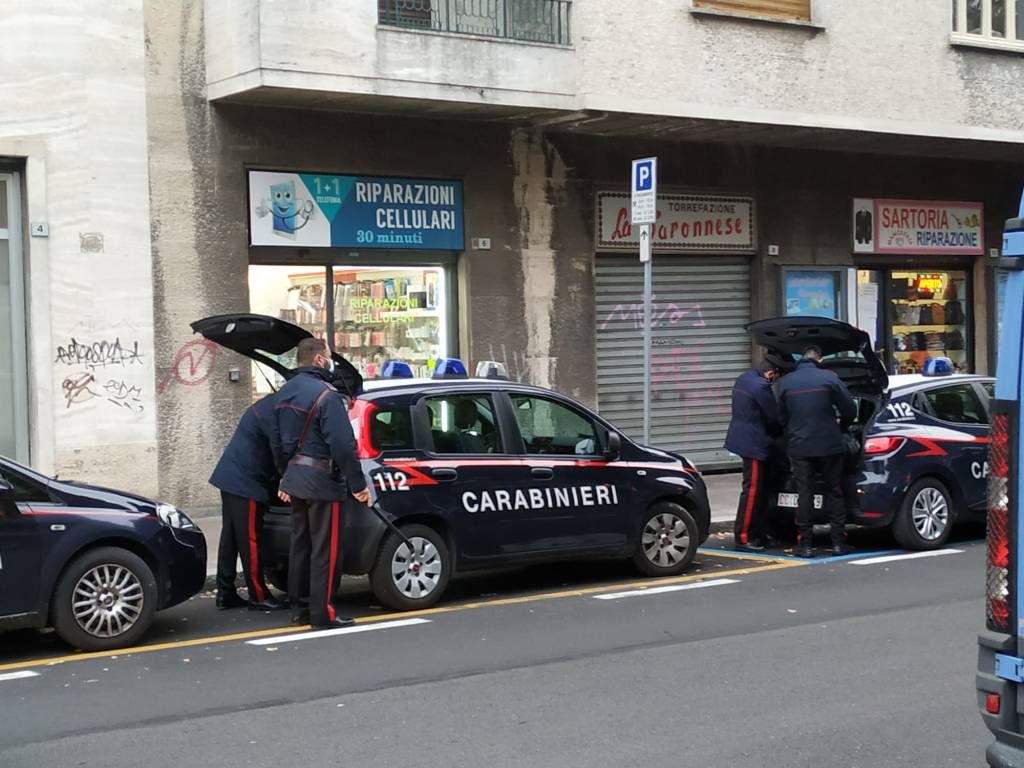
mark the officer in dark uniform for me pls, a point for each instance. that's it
(247, 477)
(816, 408)
(323, 470)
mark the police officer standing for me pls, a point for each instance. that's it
(816, 408)
(247, 478)
(753, 429)
(323, 470)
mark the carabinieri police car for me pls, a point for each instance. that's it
(918, 459)
(483, 472)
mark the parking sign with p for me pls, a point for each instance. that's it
(644, 197)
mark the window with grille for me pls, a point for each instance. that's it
(999, 23)
(789, 10)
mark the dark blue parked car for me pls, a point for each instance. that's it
(93, 563)
(918, 458)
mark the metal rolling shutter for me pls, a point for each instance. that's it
(699, 348)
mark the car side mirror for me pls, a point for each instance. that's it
(8, 505)
(613, 446)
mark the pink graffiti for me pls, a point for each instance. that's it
(679, 374)
(661, 315)
(193, 364)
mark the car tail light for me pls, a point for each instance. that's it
(992, 703)
(879, 446)
(1001, 493)
(361, 415)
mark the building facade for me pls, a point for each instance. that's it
(417, 178)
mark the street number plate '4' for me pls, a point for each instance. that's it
(792, 500)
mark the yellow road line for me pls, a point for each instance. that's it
(583, 592)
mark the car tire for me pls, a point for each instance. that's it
(105, 598)
(925, 518)
(668, 540)
(409, 584)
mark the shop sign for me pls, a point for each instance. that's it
(917, 226)
(685, 224)
(315, 210)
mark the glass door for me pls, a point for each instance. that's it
(13, 389)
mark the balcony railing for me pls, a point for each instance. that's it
(534, 21)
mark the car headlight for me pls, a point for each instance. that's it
(173, 517)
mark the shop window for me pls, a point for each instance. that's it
(789, 10)
(818, 293)
(464, 424)
(391, 430)
(379, 313)
(552, 429)
(390, 314)
(928, 316)
(999, 23)
(957, 404)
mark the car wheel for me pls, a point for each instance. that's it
(668, 541)
(407, 579)
(105, 599)
(926, 516)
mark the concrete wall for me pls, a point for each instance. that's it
(72, 117)
(522, 300)
(337, 46)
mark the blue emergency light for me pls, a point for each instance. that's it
(938, 366)
(396, 369)
(450, 368)
(1013, 235)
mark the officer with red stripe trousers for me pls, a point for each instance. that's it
(752, 432)
(323, 471)
(247, 477)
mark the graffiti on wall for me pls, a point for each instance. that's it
(193, 364)
(96, 376)
(662, 315)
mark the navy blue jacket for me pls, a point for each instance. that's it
(329, 439)
(247, 467)
(810, 399)
(755, 417)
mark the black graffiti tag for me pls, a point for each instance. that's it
(99, 354)
(124, 395)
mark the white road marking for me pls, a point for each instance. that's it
(671, 588)
(908, 556)
(311, 635)
(17, 675)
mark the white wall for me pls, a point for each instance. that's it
(337, 46)
(875, 65)
(72, 108)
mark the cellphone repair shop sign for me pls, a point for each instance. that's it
(917, 226)
(316, 210)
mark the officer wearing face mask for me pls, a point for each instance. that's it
(322, 471)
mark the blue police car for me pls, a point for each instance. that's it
(918, 454)
(93, 563)
(483, 472)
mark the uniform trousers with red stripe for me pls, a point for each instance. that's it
(241, 535)
(751, 525)
(315, 559)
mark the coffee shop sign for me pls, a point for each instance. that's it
(685, 224)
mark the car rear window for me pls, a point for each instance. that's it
(391, 429)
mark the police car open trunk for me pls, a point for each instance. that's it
(846, 351)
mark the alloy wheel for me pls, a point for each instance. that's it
(665, 540)
(930, 513)
(416, 571)
(107, 600)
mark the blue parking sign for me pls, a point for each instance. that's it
(644, 176)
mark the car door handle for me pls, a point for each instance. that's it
(445, 474)
(543, 473)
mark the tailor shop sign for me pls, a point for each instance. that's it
(685, 224)
(917, 227)
(315, 210)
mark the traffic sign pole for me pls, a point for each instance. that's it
(644, 213)
(645, 245)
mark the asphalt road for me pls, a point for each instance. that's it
(745, 662)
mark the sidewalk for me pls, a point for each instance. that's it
(723, 492)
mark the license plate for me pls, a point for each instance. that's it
(792, 500)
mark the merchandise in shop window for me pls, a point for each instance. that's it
(928, 319)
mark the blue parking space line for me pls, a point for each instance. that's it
(760, 556)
